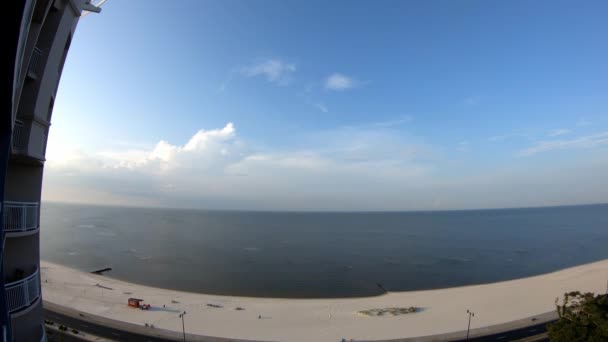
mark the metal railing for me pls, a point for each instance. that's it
(43, 337)
(34, 67)
(22, 293)
(19, 137)
(20, 216)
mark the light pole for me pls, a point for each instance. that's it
(471, 314)
(183, 327)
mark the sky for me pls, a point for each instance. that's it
(342, 105)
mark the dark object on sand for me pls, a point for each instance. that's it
(101, 271)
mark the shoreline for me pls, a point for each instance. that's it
(133, 283)
(323, 319)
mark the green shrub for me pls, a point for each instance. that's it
(582, 318)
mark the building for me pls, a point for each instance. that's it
(39, 34)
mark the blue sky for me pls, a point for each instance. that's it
(386, 105)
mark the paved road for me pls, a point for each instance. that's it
(121, 335)
(512, 335)
(98, 329)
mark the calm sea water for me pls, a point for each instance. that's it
(320, 254)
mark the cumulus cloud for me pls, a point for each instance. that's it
(347, 168)
(216, 169)
(274, 70)
(339, 82)
(204, 146)
(588, 141)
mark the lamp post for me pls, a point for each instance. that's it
(471, 314)
(183, 327)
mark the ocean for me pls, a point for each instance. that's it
(318, 254)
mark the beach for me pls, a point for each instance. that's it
(283, 319)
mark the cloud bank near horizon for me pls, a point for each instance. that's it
(350, 168)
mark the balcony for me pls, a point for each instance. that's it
(22, 293)
(29, 140)
(20, 137)
(20, 217)
(33, 70)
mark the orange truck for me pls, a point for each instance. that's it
(137, 303)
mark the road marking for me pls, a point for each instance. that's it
(501, 337)
(84, 325)
(115, 334)
(532, 330)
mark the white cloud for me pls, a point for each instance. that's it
(583, 122)
(275, 71)
(338, 81)
(588, 141)
(216, 169)
(396, 122)
(321, 107)
(558, 132)
(349, 168)
(504, 137)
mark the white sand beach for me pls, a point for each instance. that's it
(443, 310)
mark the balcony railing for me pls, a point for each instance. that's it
(43, 337)
(22, 293)
(35, 64)
(19, 137)
(20, 216)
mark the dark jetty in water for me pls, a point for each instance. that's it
(101, 271)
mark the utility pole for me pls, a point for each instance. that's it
(183, 327)
(471, 314)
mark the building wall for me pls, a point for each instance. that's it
(45, 31)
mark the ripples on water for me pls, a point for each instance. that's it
(321, 254)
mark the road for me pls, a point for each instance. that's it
(97, 329)
(512, 335)
(122, 335)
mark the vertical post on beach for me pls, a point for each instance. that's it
(183, 327)
(471, 314)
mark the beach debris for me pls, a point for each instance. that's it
(389, 311)
(101, 271)
(104, 287)
(238, 308)
(174, 302)
(382, 288)
(127, 293)
(214, 306)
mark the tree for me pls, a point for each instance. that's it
(582, 317)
